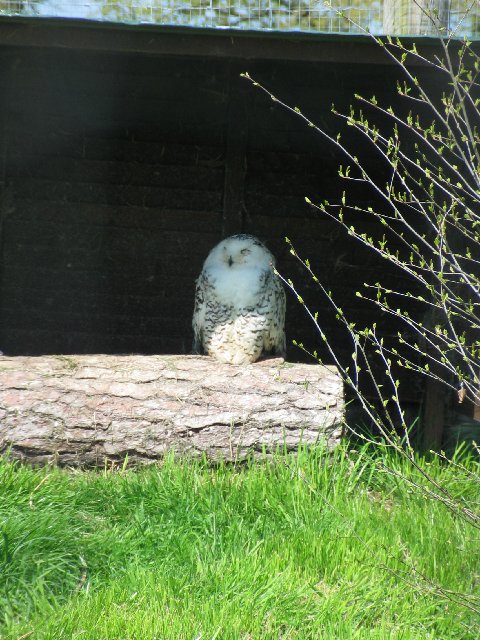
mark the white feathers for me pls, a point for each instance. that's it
(239, 303)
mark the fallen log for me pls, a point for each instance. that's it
(86, 410)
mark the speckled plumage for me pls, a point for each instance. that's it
(239, 303)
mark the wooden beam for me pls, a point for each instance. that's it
(183, 41)
(434, 414)
(476, 408)
(235, 156)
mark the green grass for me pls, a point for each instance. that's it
(316, 546)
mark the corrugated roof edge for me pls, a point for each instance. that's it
(156, 39)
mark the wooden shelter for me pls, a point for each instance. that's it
(127, 152)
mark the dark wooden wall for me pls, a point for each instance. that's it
(115, 176)
(120, 172)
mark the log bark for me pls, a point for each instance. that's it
(86, 410)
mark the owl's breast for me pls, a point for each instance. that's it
(238, 287)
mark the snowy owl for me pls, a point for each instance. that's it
(239, 303)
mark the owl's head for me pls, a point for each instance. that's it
(241, 250)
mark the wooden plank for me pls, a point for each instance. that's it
(87, 192)
(127, 217)
(42, 342)
(60, 144)
(109, 172)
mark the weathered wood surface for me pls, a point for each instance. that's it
(84, 410)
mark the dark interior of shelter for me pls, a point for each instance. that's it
(121, 170)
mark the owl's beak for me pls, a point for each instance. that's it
(230, 261)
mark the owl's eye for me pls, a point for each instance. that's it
(245, 252)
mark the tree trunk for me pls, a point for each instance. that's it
(86, 410)
(415, 17)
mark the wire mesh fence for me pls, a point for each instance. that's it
(338, 16)
(464, 17)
